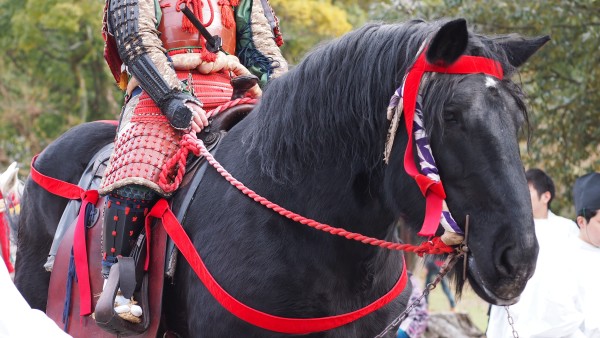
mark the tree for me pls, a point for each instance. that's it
(561, 81)
(307, 22)
(53, 74)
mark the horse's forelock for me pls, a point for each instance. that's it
(336, 96)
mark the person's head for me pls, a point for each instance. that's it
(541, 188)
(586, 196)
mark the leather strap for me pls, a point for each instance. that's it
(127, 274)
(108, 319)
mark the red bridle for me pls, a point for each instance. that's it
(434, 190)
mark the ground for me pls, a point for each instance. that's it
(469, 303)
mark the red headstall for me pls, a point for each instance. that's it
(432, 190)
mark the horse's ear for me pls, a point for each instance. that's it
(519, 49)
(449, 43)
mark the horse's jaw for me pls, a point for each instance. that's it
(507, 294)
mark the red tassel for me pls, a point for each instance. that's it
(226, 13)
(206, 55)
(196, 7)
(278, 37)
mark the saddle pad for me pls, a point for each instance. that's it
(86, 326)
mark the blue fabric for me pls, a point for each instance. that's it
(136, 91)
(71, 275)
(402, 334)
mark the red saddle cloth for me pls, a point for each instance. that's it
(86, 326)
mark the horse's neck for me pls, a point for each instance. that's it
(332, 193)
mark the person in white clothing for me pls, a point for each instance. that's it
(551, 232)
(17, 318)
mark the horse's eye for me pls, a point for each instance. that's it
(450, 117)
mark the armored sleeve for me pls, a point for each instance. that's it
(133, 24)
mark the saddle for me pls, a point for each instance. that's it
(63, 299)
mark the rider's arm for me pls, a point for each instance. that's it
(133, 24)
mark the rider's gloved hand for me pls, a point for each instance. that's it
(180, 108)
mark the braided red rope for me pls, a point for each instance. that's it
(229, 104)
(434, 246)
(169, 181)
(189, 142)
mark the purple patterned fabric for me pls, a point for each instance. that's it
(416, 323)
(426, 159)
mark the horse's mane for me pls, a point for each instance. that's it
(314, 105)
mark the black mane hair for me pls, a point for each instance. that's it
(304, 109)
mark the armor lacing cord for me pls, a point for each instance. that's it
(174, 168)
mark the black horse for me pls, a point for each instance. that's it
(314, 144)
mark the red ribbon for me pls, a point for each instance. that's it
(80, 254)
(5, 239)
(244, 312)
(73, 192)
(432, 190)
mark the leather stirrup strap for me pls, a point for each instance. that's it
(127, 276)
(105, 314)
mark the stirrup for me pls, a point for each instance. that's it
(105, 314)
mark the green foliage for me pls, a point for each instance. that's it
(562, 80)
(52, 72)
(307, 22)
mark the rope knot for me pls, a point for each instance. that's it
(90, 196)
(435, 246)
(426, 184)
(159, 208)
(173, 170)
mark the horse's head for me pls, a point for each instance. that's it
(473, 122)
(325, 119)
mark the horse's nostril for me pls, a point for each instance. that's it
(507, 261)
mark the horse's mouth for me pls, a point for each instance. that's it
(483, 290)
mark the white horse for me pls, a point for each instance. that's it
(11, 190)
